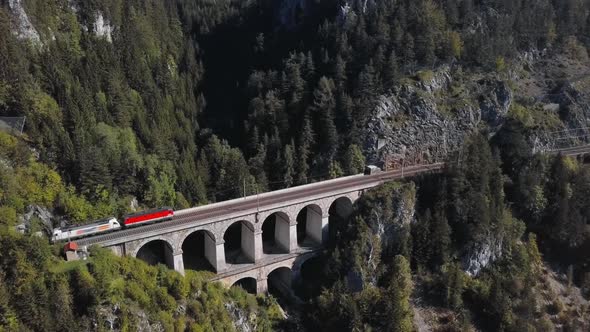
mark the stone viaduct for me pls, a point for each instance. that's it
(251, 240)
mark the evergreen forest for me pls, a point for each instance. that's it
(136, 104)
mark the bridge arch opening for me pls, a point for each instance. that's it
(239, 243)
(340, 210)
(312, 271)
(310, 226)
(276, 234)
(199, 251)
(280, 282)
(248, 284)
(157, 252)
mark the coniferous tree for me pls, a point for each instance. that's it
(323, 106)
(391, 71)
(421, 235)
(305, 143)
(558, 195)
(289, 168)
(454, 286)
(343, 118)
(354, 161)
(94, 171)
(400, 315)
(441, 237)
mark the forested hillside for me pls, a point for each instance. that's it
(134, 104)
(448, 252)
(289, 84)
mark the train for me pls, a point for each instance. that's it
(372, 169)
(111, 224)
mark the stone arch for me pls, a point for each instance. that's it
(310, 226)
(280, 281)
(309, 272)
(156, 251)
(199, 251)
(132, 248)
(341, 207)
(276, 237)
(339, 211)
(240, 242)
(249, 284)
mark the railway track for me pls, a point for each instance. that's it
(211, 212)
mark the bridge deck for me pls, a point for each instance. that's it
(244, 206)
(214, 212)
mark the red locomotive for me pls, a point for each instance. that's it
(148, 216)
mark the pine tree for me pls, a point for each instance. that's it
(558, 195)
(343, 117)
(454, 285)
(421, 240)
(324, 104)
(391, 71)
(305, 143)
(253, 141)
(289, 165)
(354, 160)
(340, 72)
(409, 55)
(256, 165)
(534, 255)
(441, 237)
(187, 173)
(367, 86)
(400, 312)
(334, 170)
(274, 160)
(94, 171)
(309, 67)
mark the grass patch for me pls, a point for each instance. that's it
(425, 75)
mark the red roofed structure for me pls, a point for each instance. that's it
(71, 246)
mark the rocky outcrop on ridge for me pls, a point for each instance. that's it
(422, 121)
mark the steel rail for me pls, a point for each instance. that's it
(209, 213)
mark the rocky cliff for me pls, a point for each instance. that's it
(426, 117)
(23, 28)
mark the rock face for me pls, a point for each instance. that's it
(417, 123)
(24, 29)
(39, 213)
(387, 221)
(109, 315)
(481, 254)
(242, 321)
(102, 28)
